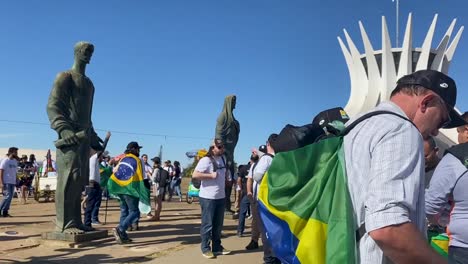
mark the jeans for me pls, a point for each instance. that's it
(212, 212)
(244, 208)
(92, 205)
(129, 212)
(457, 255)
(8, 192)
(175, 186)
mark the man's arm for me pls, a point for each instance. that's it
(200, 170)
(405, 244)
(394, 193)
(1, 178)
(249, 187)
(204, 176)
(440, 188)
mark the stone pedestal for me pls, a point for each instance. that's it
(75, 238)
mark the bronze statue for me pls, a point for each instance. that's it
(228, 129)
(69, 110)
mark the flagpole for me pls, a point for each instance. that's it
(397, 20)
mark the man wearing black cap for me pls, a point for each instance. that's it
(8, 169)
(385, 168)
(128, 168)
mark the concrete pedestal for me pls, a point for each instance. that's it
(75, 238)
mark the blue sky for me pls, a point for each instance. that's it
(164, 67)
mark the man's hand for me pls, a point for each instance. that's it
(69, 137)
(214, 174)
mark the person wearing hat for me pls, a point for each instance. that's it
(212, 171)
(447, 196)
(8, 169)
(170, 169)
(385, 168)
(129, 194)
(258, 172)
(98, 177)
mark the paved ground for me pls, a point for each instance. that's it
(174, 239)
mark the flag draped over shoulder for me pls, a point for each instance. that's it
(305, 205)
(128, 179)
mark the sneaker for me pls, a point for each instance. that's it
(127, 240)
(209, 255)
(239, 234)
(250, 217)
(135, 227)
(222, 252)
(117, 235)
(149, 216)
(96, 222)
(252, 245)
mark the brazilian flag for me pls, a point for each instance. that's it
(305, 206)
(128, 179)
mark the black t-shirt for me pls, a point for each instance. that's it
(243, 172)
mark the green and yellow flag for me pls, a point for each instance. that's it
(128, 179)
(305, 206)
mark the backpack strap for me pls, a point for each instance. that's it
(371, 114)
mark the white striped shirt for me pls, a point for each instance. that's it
(385, 168)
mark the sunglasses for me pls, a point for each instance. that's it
(447, 120)
(220, 147)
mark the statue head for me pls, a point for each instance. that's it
(83, 51)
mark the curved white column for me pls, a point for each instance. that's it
(371, 84)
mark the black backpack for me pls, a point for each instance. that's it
(163, 177)
(294, 137)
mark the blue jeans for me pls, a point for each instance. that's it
(8, 192)
(175, 186)
(212, 213)
(244, 208)
(457, 255)
(92, 205)
(129, 212)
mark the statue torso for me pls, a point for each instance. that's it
(81, 90)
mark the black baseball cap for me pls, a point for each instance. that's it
(156, 160)
(442, 85)
(133, 145)
(328, 116)
(263, 148)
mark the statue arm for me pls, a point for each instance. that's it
(58, 107)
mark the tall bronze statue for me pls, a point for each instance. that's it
(69, 110)
(228, 129)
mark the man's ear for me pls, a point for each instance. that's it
(425, 102)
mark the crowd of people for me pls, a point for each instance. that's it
(388, 167)
(397, 183)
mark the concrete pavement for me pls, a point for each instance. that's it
(174, 239)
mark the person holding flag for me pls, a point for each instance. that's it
(127, 183)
